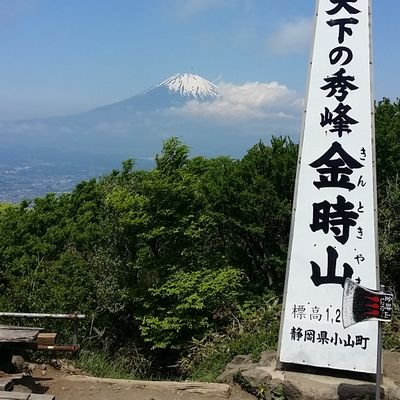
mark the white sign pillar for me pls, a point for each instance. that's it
(334, 221)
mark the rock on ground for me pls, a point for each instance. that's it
(264, 379)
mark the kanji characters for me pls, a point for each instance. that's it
(343, 28)
(340, 4)
(341, 122)
(339, 85)
(335, 167)
(331, 277)
(337, 217)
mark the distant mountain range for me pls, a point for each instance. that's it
(135, 126)
(132, 128)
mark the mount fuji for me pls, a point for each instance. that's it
(184, 105)
(95, 141)
(134, 127)
(172, 93)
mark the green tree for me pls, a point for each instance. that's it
(250, 201)
(387, 128)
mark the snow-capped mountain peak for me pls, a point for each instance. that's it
(191, 86)
(174, 92)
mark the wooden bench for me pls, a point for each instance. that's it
(25, 396)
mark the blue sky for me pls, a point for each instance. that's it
(65, 56)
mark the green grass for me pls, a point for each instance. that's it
(391, 331)
(215, 359)
(254, 328)
(101, 365)
(127, 362)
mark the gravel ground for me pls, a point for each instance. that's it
(70, 386)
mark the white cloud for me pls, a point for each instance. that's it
(291, 37)
(248, 102)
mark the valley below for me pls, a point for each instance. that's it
(28, 177)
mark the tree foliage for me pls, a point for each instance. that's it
(387, 123)
(159, 256)
(165, 256)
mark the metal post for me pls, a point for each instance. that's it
(379, 363)
(40, 315)
(75, 335)
(379, 358)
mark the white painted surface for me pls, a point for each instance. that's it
(304, 301)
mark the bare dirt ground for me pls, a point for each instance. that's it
(70, 386)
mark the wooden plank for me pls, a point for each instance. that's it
(18, 335)
(16, 327)
(6, 384)
(213, 390)
(25, 396)
(14, 396)
(41, 397)
(46, 338)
